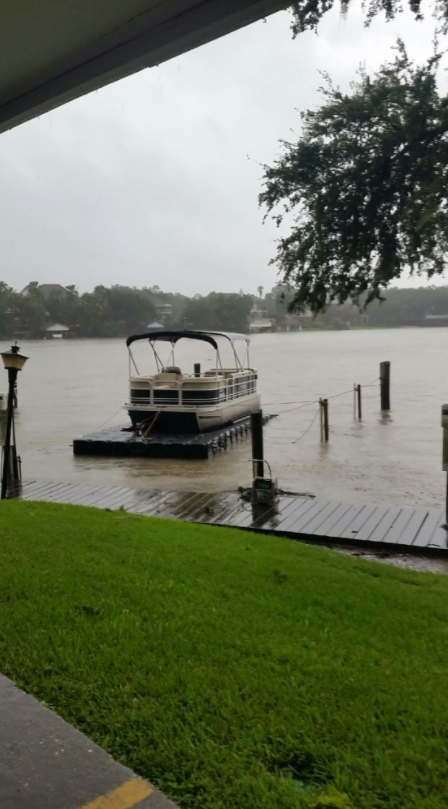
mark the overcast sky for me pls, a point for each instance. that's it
(148, 181)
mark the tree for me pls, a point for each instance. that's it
(278, 301)
(7, 309)
(308, 13)
(218, 311)
(260, 291)
(129, 307)
(366, 185)
(31, 309)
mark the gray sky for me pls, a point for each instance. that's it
(148, 181)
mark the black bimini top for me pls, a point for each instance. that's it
(174, 336)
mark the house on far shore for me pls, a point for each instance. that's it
(438, 318)
(56, 331)
(163, 309)
(295, 322)
(259, 320)
(292, 323)
(155, 325)
(48, 289)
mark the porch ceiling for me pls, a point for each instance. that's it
(52, 51)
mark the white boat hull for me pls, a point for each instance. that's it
(202, 419)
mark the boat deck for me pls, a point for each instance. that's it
(298, 517)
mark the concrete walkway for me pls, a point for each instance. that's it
(47, 764)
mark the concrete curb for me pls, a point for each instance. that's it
(47, 764)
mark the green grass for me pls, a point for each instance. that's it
(234, 671)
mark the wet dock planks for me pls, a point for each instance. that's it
(301, 518)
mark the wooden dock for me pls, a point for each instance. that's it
(406, 530)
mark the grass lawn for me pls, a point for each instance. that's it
(234, 671)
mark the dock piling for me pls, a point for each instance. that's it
(385, 385)
(445, 453)
(324, 424)
(357, 402)
(256, 421)
(446, 499)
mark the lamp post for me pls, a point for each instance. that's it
(13, 361)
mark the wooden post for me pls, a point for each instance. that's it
(359, 402)
(256, 423)
(445, 453)
(14, 462)
(326, 424)
(197, 369)
(446, 500)
(6, 471)
(321, 418)
(385, 385)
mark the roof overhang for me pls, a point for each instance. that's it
(52, 51)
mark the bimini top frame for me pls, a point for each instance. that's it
(173, 337)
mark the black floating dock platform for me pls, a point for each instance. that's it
(123, 442)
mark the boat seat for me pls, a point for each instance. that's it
(172, 369)
(167, 379)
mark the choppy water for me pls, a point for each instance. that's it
(69, 388)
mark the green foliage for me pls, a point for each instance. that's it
(175, 648)
(219, 310)
(401, 307)
(17, 310)
(366, 187)
(104, 312)
(6, 304)
(308, 13)
(409, 307)
(116, 311)
(121, 311)
(277, 301)
(332, 800)
(176, 300)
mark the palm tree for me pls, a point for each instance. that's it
(260, 291)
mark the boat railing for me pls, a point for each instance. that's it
(174, 390)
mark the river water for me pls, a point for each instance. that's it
(69, 388)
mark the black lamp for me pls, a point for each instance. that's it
(13, 361)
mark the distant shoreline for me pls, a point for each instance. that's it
(323, 328)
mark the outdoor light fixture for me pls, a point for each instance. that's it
(13, 361)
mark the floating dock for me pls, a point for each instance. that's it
(124, 442)
(384, 528)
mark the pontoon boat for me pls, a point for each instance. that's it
(173, 400)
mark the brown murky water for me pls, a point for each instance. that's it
(69, 388)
